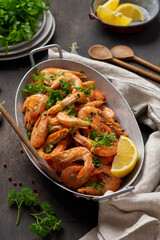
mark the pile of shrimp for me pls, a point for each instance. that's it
(61, 133)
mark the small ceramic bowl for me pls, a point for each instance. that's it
(150, 9)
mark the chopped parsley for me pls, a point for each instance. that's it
(91, 87)
(71, 110)
(28, 135)
(50, 127)
(97, 163)
(54, 97)
(100, 140)
(95, 185)
(87, 119)
(48, 148)
(65, 87)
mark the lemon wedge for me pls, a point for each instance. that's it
(131, 11)
(126, 158)
(112, 17)
(111, 4)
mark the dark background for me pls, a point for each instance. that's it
(78, 215)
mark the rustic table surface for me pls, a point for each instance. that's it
(78, 215)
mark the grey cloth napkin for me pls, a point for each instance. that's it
(134, 215)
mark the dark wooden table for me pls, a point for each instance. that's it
(78, 215)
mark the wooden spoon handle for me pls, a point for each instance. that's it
(147, 64)
(24, 139)
(136, 70)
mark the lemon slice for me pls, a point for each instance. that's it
(131, 11)
(112, 17)
(126, 158)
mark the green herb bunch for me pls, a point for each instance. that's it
(18, 20)
(45, 220)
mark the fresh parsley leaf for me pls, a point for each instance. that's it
(95, 185)
(100, 140)
(26, 197)
(45, 221)
(48, 148)
(91, 87)
(105, 140)
(50, 127)
(71, 110)
(65, 87)
(19, 20)
(97, 163)
(54, 97)
(70, 48)
(87, 119)
(28, 135)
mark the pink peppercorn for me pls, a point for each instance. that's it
(4, 164)
(21, 150)
(10, 179)
(15, 183)
(35, 190)
(20, 183)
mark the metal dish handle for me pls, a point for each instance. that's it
(40, 49)
(114, 194)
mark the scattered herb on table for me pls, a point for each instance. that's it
(76, 46)
(19, 20)
(45, 221)
(26, 197)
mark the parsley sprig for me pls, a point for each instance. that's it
(45, 221)
(99, 140)
(26, 197)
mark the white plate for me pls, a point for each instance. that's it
(44, 37)
(41, 24)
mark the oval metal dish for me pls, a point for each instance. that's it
(114, 100)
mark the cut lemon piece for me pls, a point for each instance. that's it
(131, 11)
(111, 17)
(126, 158)
(111, 4)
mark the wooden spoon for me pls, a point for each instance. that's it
(125, 52)
(24, 139)
(100, 52)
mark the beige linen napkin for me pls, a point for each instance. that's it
(134, 215)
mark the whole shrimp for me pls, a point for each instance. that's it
(91, 113)
(106, 181)
(71, 121)
(67, 158)
(40, 131)
(52, 140)
(103, 151)
(55, 72)
(68, 78)
(69, 177)
(33, 107)
(72, 98)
